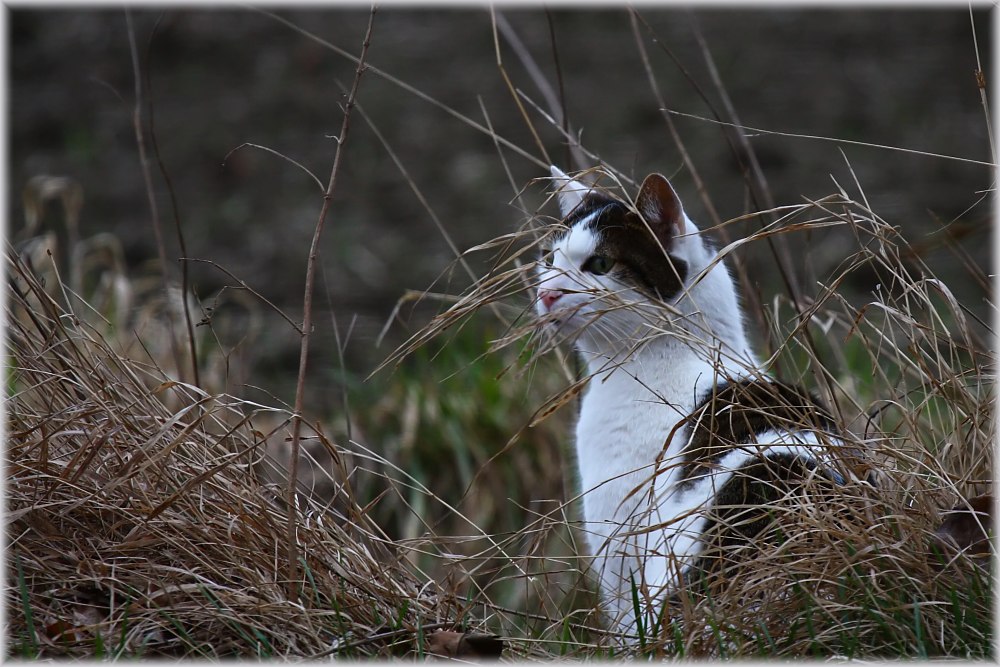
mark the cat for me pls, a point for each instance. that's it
(679, 436)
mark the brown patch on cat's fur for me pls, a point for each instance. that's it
(744, 511)
(733, 414)
(636, 248)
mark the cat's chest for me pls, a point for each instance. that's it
(627, 416)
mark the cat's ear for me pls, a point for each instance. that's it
(660, 206)
(571, 191)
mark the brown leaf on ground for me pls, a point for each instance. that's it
(466, 645)
(967, 527)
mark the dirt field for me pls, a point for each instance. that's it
(217, 79)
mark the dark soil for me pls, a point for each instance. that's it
(217, 79)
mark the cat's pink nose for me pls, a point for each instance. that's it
(549, 297)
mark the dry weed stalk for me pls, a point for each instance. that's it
(307, 313)
(137, 524)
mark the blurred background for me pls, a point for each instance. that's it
(215, 80)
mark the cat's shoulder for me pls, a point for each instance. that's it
(735, 412)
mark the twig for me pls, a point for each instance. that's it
(247, 144)
(503, 160)
(513, 91)
(141, 143)
(185, 278)
(685, 156)
(459, 255)
(293, 559)
(594, 159)
(562, 88)
(556, 105)
(341, 346)
(750, 287)
(762, 191)
(148, 179)
(243, 285)
(759, 190)
(416, 191)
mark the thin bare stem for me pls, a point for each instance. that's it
(243, 285)
(751, 291)
(836, 140)
(293, 463)
(140, 140)
(416, 191)
(503, 160)
(562, 89)
(762, 190)
(247, 144)
(459, 255)
(759, 190)
(341, 346)
(513, 91)
(556, 105)
(185, 277)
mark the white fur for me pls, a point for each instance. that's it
(570, 191)
(647, 366)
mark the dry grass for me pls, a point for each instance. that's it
(137, 529)
(910, 378)
(143, 521)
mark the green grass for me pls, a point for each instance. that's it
(29, 641)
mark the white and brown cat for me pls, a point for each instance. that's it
(680, 435)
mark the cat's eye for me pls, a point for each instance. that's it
(546, 257)
(598, 265)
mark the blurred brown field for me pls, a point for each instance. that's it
(218, 79)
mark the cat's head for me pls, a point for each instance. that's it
(612, 265)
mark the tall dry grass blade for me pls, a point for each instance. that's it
(814, 137)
